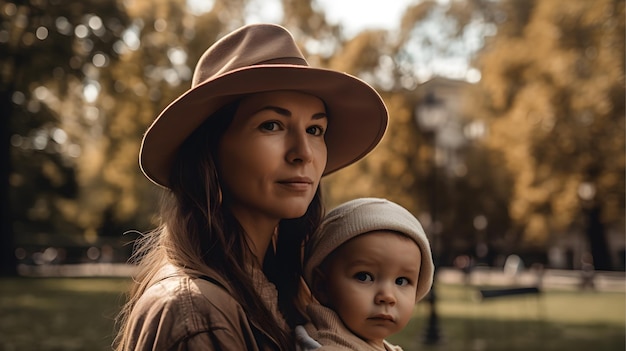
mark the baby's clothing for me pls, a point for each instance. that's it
(327, 329)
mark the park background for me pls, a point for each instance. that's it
(506, 140)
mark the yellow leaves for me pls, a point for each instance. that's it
(68, 208)
(91, 161)
(40, 210)
(359, 54)
(52, 172)
(591, 15)
(351, 182)
(552, 85)
(386, 171)
(160, 8)
(121, 165)
(537, 230)
(415, 14)
(126, 207)
(396, 168)
(565, 205)
(501, 70)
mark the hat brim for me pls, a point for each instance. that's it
(357, 116)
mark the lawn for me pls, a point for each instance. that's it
(553, 320)
(59, 313)
(78, 314)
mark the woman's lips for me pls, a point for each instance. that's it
(297, 183)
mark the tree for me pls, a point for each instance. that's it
(42, 42)
(397, 63)
(553, 87)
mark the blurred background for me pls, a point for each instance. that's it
(506, 140)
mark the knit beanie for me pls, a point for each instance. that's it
(361, 216)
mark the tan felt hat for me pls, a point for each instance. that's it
(361, 216)
(260, 58)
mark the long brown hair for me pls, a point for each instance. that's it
(198, 230)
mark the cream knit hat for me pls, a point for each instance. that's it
(361, 216)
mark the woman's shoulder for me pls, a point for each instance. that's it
(187, 289)
(186, 301)
(182, 292)
(171, 296)
(181, 307)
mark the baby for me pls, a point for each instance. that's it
(367, 265)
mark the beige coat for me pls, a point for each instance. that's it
(182, 311)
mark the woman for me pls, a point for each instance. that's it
(240, 156)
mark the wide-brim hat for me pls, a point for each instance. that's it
(361, 216)
(260, 58)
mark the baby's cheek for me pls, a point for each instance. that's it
(405, 315)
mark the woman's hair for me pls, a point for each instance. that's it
(198, 231)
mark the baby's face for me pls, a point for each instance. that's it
(371, 283)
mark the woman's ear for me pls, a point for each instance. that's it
(318, 286)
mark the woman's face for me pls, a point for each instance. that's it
(272, 156)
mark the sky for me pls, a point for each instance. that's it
(356, 15)
(353, 15)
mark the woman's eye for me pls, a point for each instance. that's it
(363, 277)
(270, 126)
(402, 281)
(315, 130)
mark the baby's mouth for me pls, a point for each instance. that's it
(382, 317)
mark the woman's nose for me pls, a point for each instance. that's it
(299, 149)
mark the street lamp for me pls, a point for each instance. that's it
(431, 115)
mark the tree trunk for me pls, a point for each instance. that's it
(596, 234)
(8, 262)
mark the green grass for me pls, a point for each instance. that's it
(554, 320)
(59, 313)
(78, 314)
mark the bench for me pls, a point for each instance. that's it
(486, 294)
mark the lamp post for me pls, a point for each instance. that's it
(430, 116)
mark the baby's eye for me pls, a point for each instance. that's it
(315, 130)
(270, 126)
(402, 281)
(363, 277)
